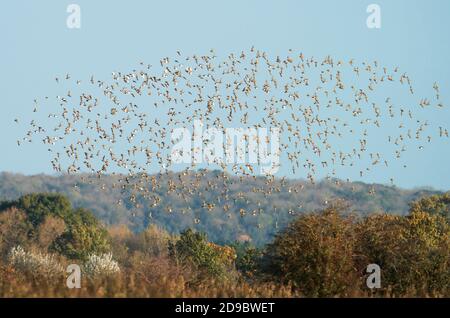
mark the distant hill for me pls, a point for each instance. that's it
(251, 214)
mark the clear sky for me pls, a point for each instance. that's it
(36, 45)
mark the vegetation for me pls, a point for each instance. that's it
(321, 253)
(255, 217)
(49, 220)
(315, 254)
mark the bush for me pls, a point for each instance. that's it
(38, 206)
(193, 249)
(100, 266)
(153, 241)
(35, 263)
(428, 253)
(315, 254)
(412, 251)
(248, 259)
(49, 230)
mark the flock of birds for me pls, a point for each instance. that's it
(329, 112)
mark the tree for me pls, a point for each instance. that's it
(38, 206)
(315, 254)
(413, 252)
(248, 258)
(434, 205)
(381, 239)
(428, 253)
(193, 249)
(49, 230)
(153, 241)
(14, 230)
(83, 234)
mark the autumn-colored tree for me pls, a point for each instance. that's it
(120, 235)
(412, 252)
(428, 253)
(315, 254)
(14, 230)
(438, 204)
(153, 241)
(49, 230)
(381, 240)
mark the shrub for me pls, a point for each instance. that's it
(315, 254)
(35, 263)
(193, 248)
(413, 252)
(428, 253)
(248, 259)
(100, 265)
(38, 206)
(84, 236)
(153, 241)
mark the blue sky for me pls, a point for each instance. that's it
(36, 45)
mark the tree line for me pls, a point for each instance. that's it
(322, 253)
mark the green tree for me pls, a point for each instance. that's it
(85, 236)
(37, 206)
(248, 258)
(193, 248)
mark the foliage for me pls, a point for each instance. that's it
(14, 229)
(428, 253)
(38, 206)
(193, 248)
(412, 251)
(35, 263)
(84, 236)
(51, 221)
(248, 258)
(49, 230)
(272, 212)
(100, 265)
(434, 205)
(323, 253)
(381, 239)
(153, 241)
(315, 254)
